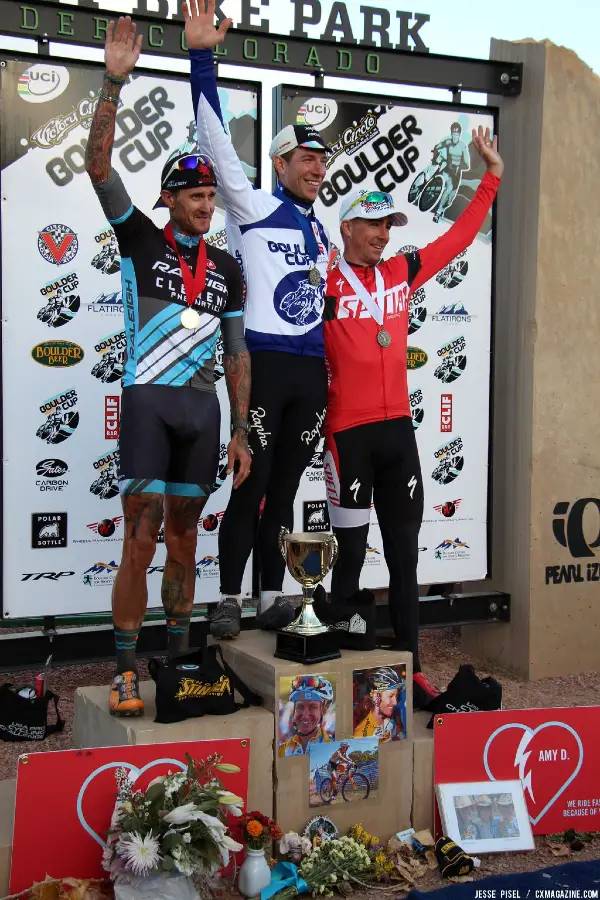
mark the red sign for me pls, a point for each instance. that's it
(446, 413)
(554, 752)
(65, 801)
(111, 418)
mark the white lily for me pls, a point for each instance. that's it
(158, 780)
(225, 845)
(231, 802)
(182, 814)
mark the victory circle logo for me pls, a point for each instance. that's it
(41, 83)
(58, 244)
(297, 301)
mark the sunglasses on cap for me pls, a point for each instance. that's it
(373, 198)
(201, 164)
(307, 681)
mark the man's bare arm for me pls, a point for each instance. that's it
(237, 375)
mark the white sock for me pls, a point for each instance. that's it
(267, 599)
(237, 597)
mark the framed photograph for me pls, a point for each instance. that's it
(485, 816)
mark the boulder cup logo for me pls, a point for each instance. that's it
(112, 358)
(58, 244)
(107, 260)
(62, 301)
(453, 360)
(416, 407)
(450, 462)
(62, 417)
(106, 484)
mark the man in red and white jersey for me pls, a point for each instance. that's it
(371, 451)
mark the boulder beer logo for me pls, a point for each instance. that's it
(572, 526)
(415, 358)
(62, 417)
(57, 354)
(111, 418)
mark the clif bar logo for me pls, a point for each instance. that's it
(446, 412)
(111, 418)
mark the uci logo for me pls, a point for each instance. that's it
(568, 528)
(317, 113)
(40, 83)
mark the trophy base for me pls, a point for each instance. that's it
(307, 648)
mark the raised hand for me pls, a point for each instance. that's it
(200, 31)
(488, 150)
(122, 48)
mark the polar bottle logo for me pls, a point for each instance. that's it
(41, 83)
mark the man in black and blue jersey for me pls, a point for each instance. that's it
(178, 294)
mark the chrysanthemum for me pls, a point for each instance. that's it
(141, 854)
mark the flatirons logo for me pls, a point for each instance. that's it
(108, 304)
(58, 244)
(450, 461)
(455, 312)
(62, 417)
(415, 358)
(57, 354)
(452, 549)
(453, 360)
(416, 407)
(101, 574)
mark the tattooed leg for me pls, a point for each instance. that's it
(143, 517)
(179, 577)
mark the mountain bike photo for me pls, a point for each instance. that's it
(345, 771)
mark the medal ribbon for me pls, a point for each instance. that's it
(375, 309)
(310, 241)
(193, 285)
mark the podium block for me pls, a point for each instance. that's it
(94, 727)
(7, 817)
(389, 810)
(423, 797)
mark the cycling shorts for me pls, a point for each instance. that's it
(168, 440)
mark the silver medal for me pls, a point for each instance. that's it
(314, 277)
(384, 338)
(190, 318)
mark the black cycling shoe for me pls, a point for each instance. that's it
(281, 612)
(226, 620)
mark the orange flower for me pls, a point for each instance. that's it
(254, 828)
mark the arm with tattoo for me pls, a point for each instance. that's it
(237, 375)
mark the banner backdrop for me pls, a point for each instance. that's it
(407, 149)
(63, 339)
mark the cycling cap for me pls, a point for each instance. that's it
(370, 205)
(311, 687)
(482, 800)
(384, 679)
(186, 170)
(293, 136)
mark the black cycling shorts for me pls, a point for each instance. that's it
(168, 440)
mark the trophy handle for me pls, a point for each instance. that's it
(335, 551)
(282, 533)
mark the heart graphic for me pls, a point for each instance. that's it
(133, 770)
(528, 735)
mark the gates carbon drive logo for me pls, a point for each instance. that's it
(450, 462)
(415, 358)
(317, 113)
(314, 470)
(453, 360)
(416, 407)
(572, 526)
(57, 354)
(112, 357)
(106, 485)
(48, 530)
(58, 244)
(51, 473)
(62, 417)
(107, 260)
(62, 301)
(41, 82)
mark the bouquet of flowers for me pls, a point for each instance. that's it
(178, 825)
(258, 830)
(330, 864)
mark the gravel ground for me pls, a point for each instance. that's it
(441, 655)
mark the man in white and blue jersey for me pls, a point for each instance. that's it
(283, 250)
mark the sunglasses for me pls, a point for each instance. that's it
(307, 681)
(202, 164)
(373, 197)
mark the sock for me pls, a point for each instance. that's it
(178, 635)
(237, 597)
(267, 599)
(125, 643)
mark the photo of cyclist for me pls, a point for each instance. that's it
(339, 763)
(380, 703)
(436, 186)
(345, 771)
(307, 710)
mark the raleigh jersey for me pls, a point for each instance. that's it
(159, 350)
(283, 311)
(368, 382)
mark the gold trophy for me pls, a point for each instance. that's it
(309, 557)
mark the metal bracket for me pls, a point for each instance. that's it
(457, 94)
(319, 79)
(43, 43)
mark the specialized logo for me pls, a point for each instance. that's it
(411, 486)
(356, 135)
(111, 418)
(107, 260)
(317, 113)
(48, 530)
(450, 462)
(62, 417)
(415, 358)
(454, 273)
(355, 488)
(62, 301)
(416, 407)
(108, 304)
(41, 83)
(105, 528)
(350, 307)
(101, 574)
(56, 129)
(58, 244)
(449, 508)
(453, 360)
(112, 357)
(575, 527)
(446, 412)
(452, 549)
(106, 485)
(51, 473)
(59, 354)
(297, 301)
(316, 516)
(456, 312)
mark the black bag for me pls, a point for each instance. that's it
(467, 692)
(23, 719)
(198, 685)
(452, 859)
(353, 621)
